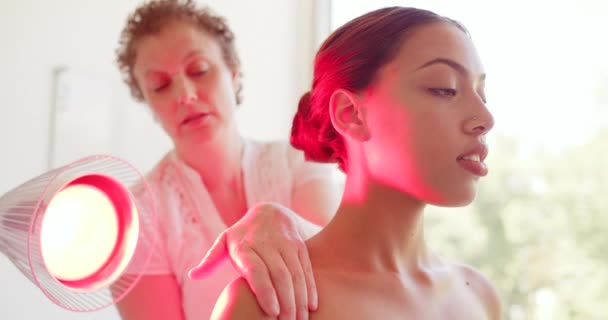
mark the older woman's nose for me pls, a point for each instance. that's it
(184, 91)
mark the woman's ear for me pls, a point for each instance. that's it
(236, 84)
(348, 115)
(235, 78)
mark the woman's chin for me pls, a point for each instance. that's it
(461, 198)
(198, 136)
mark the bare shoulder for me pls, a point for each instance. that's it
(483, 288)
(237, 301)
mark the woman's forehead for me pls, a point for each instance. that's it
(179, 35)
(438, 41)
(175, 44)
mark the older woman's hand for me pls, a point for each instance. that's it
(267, 246)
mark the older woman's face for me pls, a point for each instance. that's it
(187, 83)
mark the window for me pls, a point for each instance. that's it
(537, 228)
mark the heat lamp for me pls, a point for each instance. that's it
(82, 233)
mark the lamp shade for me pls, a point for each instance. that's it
(77, 230)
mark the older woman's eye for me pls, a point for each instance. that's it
(199, 70)
(161, 86)
(198, 73)
(443, 92)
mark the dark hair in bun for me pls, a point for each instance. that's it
(313, 132)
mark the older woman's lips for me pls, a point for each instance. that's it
(195, 120)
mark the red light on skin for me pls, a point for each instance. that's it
(79, 232)
(89, 233)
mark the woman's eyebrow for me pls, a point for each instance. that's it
(452, 64)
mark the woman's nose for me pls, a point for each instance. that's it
(481, 122)
(185, 91)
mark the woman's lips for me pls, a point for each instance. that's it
(472, 160)
(474, 166)
(195, 120)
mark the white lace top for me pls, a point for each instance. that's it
(189, 222)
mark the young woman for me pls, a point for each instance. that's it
(398, 101)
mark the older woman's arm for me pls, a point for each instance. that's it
(267, 245)
(154, 297)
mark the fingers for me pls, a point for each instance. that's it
(309, 278)
(265, 247)
(214, 257)
(283, 285)
(298, 280)
(257, 275)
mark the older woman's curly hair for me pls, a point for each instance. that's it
(151, 17)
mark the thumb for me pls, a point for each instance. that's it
(214, 257)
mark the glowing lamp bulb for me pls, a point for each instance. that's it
(79, 232)
(82, 233)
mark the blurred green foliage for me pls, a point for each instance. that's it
(538, 229)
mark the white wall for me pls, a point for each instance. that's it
(276, 42)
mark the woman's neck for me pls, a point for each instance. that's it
(217, 161)
(376, 229)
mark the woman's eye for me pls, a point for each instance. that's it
(198, 73)
(443, 92)
(484, 99)
(199, 70)
(161, 86)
